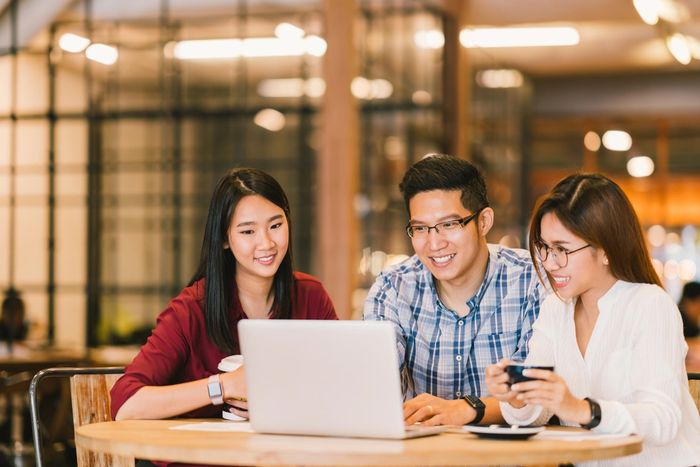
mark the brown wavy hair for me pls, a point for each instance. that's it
(594, 208)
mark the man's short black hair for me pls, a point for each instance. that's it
(691, 291)
(444, 172)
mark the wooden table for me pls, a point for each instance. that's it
(152, 439)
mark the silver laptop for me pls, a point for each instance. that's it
(327, 378)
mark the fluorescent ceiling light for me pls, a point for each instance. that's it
(291, 87)
(429, 39)
(270, 119)
(640, 166)
(679, 47)
(669, 10)
(73, 43)
(101, 53)
(288, 31)
(617, 140)
(518, 37)
(499, 78)
(208, 49)
(647, 10)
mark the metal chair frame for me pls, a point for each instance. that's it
(33, 396)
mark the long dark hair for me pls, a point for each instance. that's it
(217, 265)
(595, 208)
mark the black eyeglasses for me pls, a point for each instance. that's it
(559, 253)
(421, 231)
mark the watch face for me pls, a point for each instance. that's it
(214, 390)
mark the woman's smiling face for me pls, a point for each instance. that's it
(258, 236)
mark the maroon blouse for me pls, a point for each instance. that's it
(179, 350)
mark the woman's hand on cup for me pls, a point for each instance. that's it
(497, 383)
(551, 392)
(235, 395)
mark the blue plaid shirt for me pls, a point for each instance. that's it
(441, 353)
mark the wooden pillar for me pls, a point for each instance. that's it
(456, 81)
(338, 166)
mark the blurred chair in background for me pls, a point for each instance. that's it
(91, 404)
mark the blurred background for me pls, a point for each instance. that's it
(117, 117)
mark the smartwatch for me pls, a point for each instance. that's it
(596, 414)
(215, 390)
(476, 404)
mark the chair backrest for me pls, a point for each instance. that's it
(91, 404)
(89, 394)
(694, 386)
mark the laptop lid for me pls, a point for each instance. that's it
(329, 378)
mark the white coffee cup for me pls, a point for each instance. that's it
(227, 365)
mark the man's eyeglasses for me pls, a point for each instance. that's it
(421, 231)
(559, 253)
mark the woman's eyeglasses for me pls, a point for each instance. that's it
(559, 253)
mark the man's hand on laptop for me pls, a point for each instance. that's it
(430, 410)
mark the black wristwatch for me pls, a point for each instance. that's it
(476, 404)
(596, 414)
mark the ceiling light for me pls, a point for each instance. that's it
(591, 141)
(270, 119)
(73, 43)
(679, 47)
(288, 31)
(688, 270)
(101, 53)
(363, 88)
(291, 87)
(648, 10)
(672, 11)
(694, 47)
(640, 166)
(617, 140)
(518, 37)
(208, 49)
(657, 235)
(315, 46)
(315, 87)
(421, 97)
(253, 47)
(429, 39)
(499, 78)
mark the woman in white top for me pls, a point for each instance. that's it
(614, 337)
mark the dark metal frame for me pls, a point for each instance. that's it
(34, 400)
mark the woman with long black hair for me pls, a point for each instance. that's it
(245, 272)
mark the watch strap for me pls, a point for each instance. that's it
(215, 390)
(596, 414)
(478, 406)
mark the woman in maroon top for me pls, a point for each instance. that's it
(245, 272)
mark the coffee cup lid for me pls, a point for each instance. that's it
(230, 363)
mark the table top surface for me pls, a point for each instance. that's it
(154, 439)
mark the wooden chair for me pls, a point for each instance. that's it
(694, 386)
(91, 403)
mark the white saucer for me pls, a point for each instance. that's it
(504, 431)
(232, 416)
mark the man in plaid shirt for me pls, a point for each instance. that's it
(459, 304)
